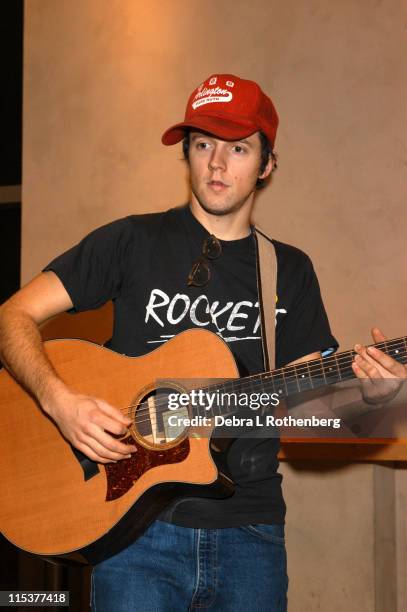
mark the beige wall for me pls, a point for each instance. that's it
(104, 78)
(330, 537)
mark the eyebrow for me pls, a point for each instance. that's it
(196, 135)
(244, 140)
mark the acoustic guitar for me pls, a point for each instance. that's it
(57, 503)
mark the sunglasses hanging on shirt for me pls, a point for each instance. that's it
(200, 273)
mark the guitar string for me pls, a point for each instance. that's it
(257, 378)
(162, 408)
(153, 420)
(315, 365)
(266, 384)
(267, 378)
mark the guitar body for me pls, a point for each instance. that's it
(54, 505)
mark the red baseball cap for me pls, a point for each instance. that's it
(228, 107)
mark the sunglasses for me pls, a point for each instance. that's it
(200, 272)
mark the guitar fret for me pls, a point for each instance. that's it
(279, 383)
(396, 352)
(290, 380)
(273, 383)
(331, 371)
(337, 367)
(323, 372)
(297, 378)
(346, 366)
(309, 375)
(303, 376)
(268, 378)
(253, 384)
(284, 380)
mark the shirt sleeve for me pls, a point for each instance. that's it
(93, 271)
(305, 329)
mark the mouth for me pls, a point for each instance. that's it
(217, 185)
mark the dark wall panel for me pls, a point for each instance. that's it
(10, 248)
(11, 70)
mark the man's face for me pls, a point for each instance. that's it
(224, 173)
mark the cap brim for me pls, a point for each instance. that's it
(217, 126)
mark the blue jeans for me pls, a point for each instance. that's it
(176, 569)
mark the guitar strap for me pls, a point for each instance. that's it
(266, 271)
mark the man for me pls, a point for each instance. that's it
(213, 554)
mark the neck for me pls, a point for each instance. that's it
(293, 379)
(231, 226)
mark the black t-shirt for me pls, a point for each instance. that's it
(142, 263)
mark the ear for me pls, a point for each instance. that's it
(267, 169)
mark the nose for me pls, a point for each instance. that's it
(217, 159)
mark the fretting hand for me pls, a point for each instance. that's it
(380, 375)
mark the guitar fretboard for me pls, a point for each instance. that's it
(293, 379)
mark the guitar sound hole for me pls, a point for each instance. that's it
(155, 423)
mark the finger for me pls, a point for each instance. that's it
(386, 366)
(90, 453)
(368, 368)
(109, 443)
(377, 335)
(114, 413)
(107, 423)
(388, 363)
(385, 360)
(104, 452)
(358, 371)
(360, 349)
(367, 382)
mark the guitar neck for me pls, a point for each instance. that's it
(293, 379)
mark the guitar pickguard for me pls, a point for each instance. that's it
(121, 476)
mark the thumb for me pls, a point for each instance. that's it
(377, 335)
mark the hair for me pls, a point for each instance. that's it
(266, 153)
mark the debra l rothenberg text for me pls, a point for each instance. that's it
(268, 421)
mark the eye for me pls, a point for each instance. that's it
(202, 145)
(239, 149)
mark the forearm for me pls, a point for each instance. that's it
(86, 422)
(22, 353)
